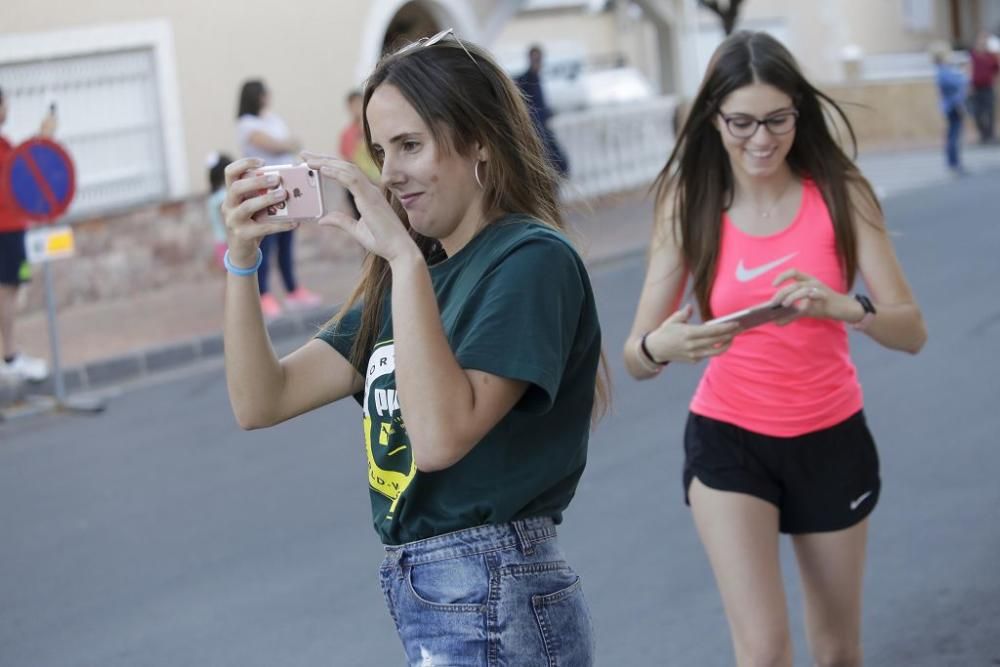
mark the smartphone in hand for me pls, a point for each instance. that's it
(309, 195)
(755, 316)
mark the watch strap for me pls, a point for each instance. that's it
(869, 315)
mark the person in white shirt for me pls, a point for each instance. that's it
(262, 134)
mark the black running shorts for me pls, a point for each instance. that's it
(12, 256)
(821, 481)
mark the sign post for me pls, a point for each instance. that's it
(38, 178)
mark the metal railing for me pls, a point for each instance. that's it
(898, 66)
(615, 148)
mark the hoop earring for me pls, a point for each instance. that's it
(475, 172)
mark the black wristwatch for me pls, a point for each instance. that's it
(869, 315)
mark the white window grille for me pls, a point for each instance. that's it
(109, 121)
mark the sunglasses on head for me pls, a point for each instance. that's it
(424, 42)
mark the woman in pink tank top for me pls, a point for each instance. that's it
(759, 204)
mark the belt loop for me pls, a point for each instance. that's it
(394, 556)
(527, 546)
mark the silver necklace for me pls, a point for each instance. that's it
(770, 210)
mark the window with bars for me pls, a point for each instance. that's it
(109, 121)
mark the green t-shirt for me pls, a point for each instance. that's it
(516, 302)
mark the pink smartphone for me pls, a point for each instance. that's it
(310, 196)
(755, 316)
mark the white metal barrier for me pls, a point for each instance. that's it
(109, 120)
(615, 148)
(896, 66)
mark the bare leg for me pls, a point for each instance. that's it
(8, 308)
(832, 567)
(740, 535)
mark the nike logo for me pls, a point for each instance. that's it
(745, 275)
(860, 499)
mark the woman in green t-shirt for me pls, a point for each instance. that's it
(472, 344)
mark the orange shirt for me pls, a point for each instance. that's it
(780, 381)
(353, 148)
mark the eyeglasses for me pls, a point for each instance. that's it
(742, 126)
(424, 42)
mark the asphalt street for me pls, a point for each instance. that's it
(159, 534)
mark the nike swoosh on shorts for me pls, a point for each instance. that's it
(860, 499)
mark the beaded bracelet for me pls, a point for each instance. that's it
(238, 271)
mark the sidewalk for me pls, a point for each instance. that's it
(107, 343)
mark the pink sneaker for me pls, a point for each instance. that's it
(302, 298)
(269, 306)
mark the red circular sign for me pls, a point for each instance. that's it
(37, 181)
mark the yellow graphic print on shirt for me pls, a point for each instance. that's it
(390, 460)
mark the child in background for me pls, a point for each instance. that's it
(352, 139)
(217, 163)
(353, 148)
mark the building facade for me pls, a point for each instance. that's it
(145, 91)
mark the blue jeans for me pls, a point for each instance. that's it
(285, 241)
(953, 138)
(491, 595)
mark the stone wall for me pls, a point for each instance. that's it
(894, 114)
(151, 247)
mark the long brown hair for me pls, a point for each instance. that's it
(698, 178)
(465, 99)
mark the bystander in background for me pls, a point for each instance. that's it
(263, 134)
(952, 86)
(982, 99)
(216, 164)
(530, 84)
(352, 144)
(14, 268)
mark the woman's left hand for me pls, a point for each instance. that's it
(812, 298)
(378, 229)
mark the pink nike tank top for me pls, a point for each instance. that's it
(780, 381)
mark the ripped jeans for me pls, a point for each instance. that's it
(494, 595)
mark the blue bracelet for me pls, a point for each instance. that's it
(237, 271)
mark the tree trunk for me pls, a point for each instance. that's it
(728, 16)
(728, 23)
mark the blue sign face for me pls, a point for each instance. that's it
(40, 179)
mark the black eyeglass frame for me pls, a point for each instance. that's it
(757, 122)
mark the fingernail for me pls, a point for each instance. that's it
(272, 179)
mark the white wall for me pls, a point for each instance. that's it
(309, 52)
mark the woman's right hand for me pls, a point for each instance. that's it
(245, 196)
(676, 340)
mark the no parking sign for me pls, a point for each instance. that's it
(38, 180)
